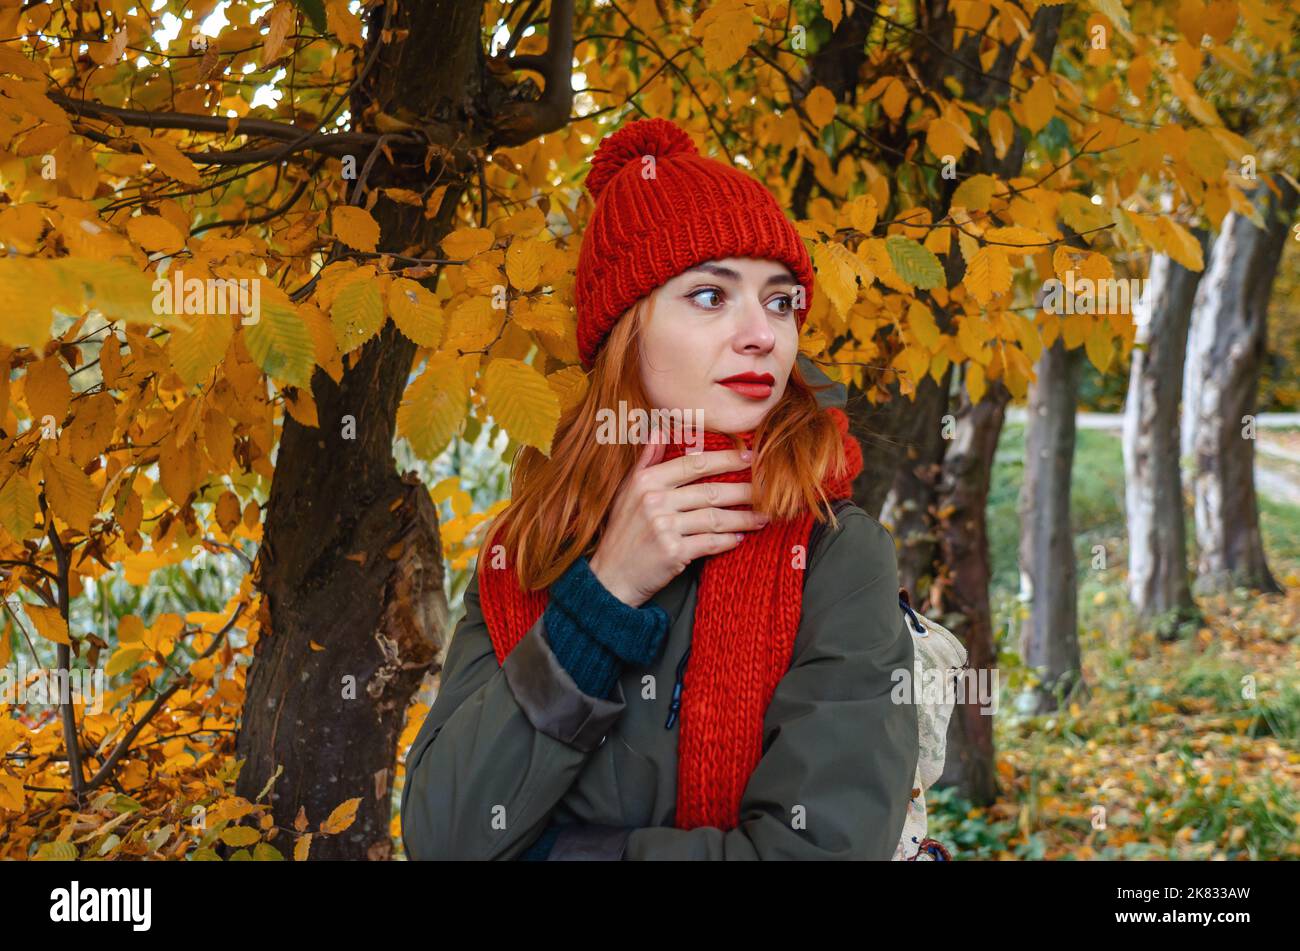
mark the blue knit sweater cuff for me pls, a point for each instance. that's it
(636, 635)
(592, 632)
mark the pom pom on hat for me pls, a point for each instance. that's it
(630, 144)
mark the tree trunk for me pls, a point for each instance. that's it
(351, 557)
(901, 443)
(1158, 582)
(1049, 637)
(1229, 335)
(962, 595)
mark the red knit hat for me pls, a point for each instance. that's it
(645, 230)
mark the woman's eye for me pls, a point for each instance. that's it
(787, 301)
(707, 290)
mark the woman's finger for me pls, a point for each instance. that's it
(696, 465)
(705, 494)
(711, 543)
(712, 521)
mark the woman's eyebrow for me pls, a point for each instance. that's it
(717, 270)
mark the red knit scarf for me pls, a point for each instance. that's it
(747, 614)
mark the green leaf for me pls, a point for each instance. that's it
(314, 11)
(915, 264)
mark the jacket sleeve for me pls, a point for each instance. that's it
(839, 756)
(500, 746)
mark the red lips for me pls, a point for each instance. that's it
(754, 386)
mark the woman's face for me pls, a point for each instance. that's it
(719, 320)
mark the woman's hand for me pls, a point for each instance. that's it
(658, 525)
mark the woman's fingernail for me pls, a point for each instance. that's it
(746, 454)
(740, 536)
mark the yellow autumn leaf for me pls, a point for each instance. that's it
(1099, 345)
(416, 312)
(1181, 245)
(837, 271)
(975, 193)
(1081, 214)
(894, 98)
(281, 344)
(357, 314)
(1198, 107)
(356, 228)
(521, 401)
(975, 384)
(197, 351)
(1002, 132)
(18, 505)
(920, 320)
(341, 818)
(123, 659)
(464, 243)
(570, 385)
(179, 468)
(524, 264)
(239, 836)
(1017, 236)
(863, 213)
(155, 233)
(279, 23)
(302, 847)
(13, 796)
(130, 629)
(68, 489)
(944, 139)
(820, 106)
(726, 30)
(48, 391)
(988, 274)
(433, 407)
(1039, 104)
(168, 159)
(49, 623)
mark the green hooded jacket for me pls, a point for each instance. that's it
(508, 749)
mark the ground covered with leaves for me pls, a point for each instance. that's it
(1182, 750)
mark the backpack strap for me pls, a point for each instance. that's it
(819, 528)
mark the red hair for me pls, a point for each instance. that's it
(558, 504)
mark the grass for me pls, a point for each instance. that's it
(1181, 750)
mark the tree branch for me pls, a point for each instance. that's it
(521, 122)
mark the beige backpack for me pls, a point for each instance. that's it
(939, 658)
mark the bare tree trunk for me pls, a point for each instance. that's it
(1158, 582)
(902, 486)
(962, 596)
(909, 506)
(1229, 336)
(1048, 574)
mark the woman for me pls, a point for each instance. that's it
(653, 664)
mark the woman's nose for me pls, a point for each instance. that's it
(754, 332)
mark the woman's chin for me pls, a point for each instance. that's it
(732, 419)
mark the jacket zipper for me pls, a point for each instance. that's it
(679, 684)
(676, 704)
